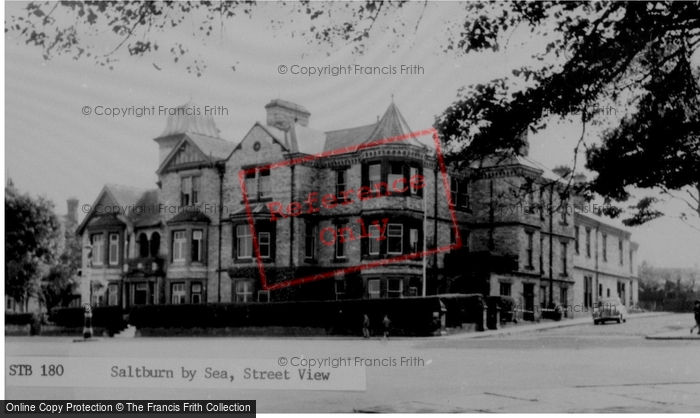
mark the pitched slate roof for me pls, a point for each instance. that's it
(148, 215)
(128, 199)
(214, 148)
(190, 216)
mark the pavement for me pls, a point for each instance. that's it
(509, 329)
(675, 335)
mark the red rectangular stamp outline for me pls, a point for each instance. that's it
(377, 263)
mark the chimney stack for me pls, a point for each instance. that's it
(72, 215)
(282, 114)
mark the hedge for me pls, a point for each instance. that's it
(12, 318)
(109, 317)
(409, 316)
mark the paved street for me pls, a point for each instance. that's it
(581, 368)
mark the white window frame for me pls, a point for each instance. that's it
(392, 177)
(374, 180)
(414, 238)
(394, 236)
(264, 183)
(414, 190)
(374, 239)
(390, 292)
(340, 248)
(245, 237)
(251, 185)
(244, 291)
(310, 240)
(98, 255)
(266, 243)
(178, 294)
(200, 242)
(341, 185)
(179, 246)
(258, 184)
(113, 249)
(377, 293)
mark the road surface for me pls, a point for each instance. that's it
(581, 368)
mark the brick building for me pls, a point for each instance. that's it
(189, 241)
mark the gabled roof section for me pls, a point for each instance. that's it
(194, 148)
(277, 135)
(125, 197)
(306, 140)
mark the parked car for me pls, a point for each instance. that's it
(609, 309)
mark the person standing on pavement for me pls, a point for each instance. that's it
(365, 327)
(696, 311)
(387, 325)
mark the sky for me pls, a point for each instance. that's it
(53, 149)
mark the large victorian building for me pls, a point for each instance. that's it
(189, 240)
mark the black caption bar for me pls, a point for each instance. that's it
(243, 409)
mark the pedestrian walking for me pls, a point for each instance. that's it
(387, 326)
(365, 327)
(696, 311)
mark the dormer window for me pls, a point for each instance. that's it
(189, 191)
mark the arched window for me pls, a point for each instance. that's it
(143, 245)
(155, 244)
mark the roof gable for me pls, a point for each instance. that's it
(185, 153)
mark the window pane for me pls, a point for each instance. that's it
(375, 174)
(373, 288)
(414, 172)
(339, 249)
(244, 242)
(251, 186)
(395, 238)
(310, 241)
(265, 188)
(414, 240)
(264, 244)
(373, 239)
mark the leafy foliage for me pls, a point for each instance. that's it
(31, 240)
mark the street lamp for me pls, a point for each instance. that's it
(88, 247)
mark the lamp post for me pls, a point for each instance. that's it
(88, 247)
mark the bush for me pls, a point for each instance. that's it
(504, 304)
